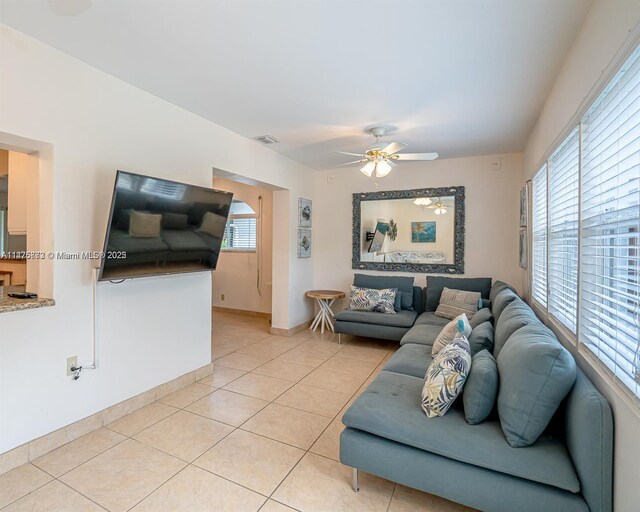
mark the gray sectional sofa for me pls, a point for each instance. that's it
(569, 467)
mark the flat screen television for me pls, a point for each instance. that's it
(159, 227)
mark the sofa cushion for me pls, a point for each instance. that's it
(404, 318)
(403, 284)
(390, 408)
(502, 300)
(410, 359)
(516, 315)
(180, 240)
(445, 377)
(459, 325)
(536, 373)
(497, 287)
(455, 302)
(481, 316)
(481, 338)
(435, 285)
(144, 225)
(430, 318)
(370, 299)
(481, 388)
(121, 241)
(424, 334)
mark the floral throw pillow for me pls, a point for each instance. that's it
(445, 377)
(368, 299)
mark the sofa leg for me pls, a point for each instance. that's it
(339, 339)
(354, 481)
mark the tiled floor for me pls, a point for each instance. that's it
(261, 433)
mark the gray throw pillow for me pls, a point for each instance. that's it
(213, 224)
(481, 338)
(481, 316)
(144, 225)
(536, 374)
(481, 388)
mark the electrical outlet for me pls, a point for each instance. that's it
(72, 362)
(222, 296)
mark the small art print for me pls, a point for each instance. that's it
(423, 232)
(304, 212)
(304, 243)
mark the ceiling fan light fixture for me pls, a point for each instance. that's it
(368, 169)
(441, 210)
(422, 201)
(382, 169)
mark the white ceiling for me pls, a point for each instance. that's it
(457, 77)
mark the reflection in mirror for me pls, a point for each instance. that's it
(419, 230)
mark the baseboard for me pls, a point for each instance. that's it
(259, 314)
(49, 442)
(290, 332)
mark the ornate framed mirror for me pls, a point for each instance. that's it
(419, 230)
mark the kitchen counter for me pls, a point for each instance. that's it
(8, 304)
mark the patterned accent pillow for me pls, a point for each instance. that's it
(455, 302)
(368, 299)
(445, 377)
(450, 331)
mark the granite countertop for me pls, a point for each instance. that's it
(10, 304)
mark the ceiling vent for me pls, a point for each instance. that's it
(266, 139)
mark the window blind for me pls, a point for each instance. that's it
(610, 226)
(240, 234)
(563, 167)
(539, 238)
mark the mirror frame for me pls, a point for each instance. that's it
(457, 267)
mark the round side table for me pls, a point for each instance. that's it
(324, 298)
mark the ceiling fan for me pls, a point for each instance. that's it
(440, 208)
(381, 157)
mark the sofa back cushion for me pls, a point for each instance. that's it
(502, 300)
(517, 314)
(482, 338)
(435, 285)
(536, 374)
(403, 284)
(481, 388)
(481, 316)
(497, 287)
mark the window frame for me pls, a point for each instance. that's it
(598, 365)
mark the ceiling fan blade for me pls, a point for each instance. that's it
(393, 147)
(354, 162)
(391, 162)
(350, 154)
(417, 156)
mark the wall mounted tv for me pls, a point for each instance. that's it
(158, 227)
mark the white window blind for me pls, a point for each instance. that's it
(539, 238)
(563, 167)
(610, 226)
(240, 232)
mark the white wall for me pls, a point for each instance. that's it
(236, 273)
(608, 31)
(491, 243)
(151, 330)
